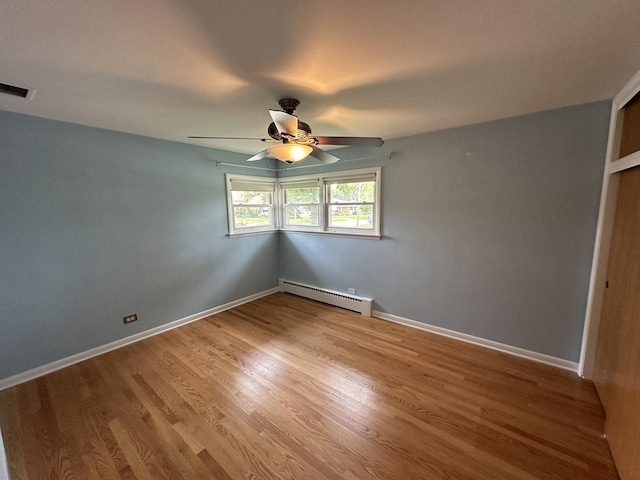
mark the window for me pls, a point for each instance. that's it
(250, 201)
(339, 203)
(351, 203)
(301, 202)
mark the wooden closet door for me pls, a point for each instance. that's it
(617, 367)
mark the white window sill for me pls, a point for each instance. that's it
(365, 236)
(246, 234)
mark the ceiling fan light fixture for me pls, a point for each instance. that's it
(290, 152)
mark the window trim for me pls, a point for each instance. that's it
(282, 206)
(259, 182)
(323, 181)
(359, 175)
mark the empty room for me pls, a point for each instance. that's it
(320, 240)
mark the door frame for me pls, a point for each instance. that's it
(606, 215)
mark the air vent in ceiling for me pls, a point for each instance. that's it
(13, 90)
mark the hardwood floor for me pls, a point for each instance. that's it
(285, 387)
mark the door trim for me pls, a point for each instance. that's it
(606, 215)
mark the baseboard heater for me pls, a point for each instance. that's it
(338, 299)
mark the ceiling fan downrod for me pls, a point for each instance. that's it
(289, 105)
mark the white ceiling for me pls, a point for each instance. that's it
(172, 68)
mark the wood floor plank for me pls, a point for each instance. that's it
(287, 388)
(10, 420)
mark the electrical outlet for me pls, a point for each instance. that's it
(130, 318)
(352, 291)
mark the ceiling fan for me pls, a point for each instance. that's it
(292, 139)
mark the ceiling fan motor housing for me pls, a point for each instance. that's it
(275, 134)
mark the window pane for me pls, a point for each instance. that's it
(351, 216)
(247, 197)
(251, 216)
(302, 195)
(352, 192)
(302, 215)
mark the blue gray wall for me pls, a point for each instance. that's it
(488, 230)
(96, 225)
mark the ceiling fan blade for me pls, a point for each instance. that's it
(323, 156)
(259, 156)
(285, 123)
(356, 141)
(231, 138)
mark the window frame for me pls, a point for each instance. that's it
(282, 209)
(323, 181)
(260, 183)
(353, 177)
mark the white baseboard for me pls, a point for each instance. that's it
(500, 347)
(79, 357)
